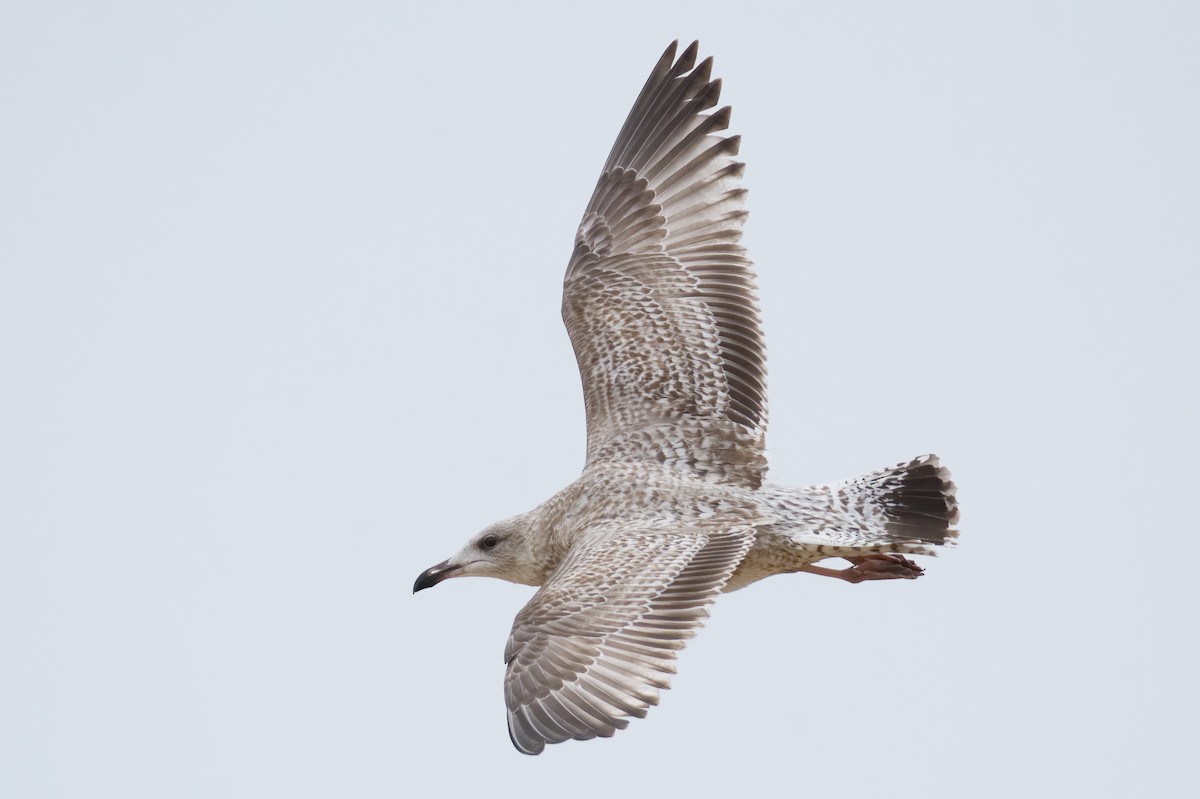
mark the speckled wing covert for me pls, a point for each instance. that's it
(659, 297)
(598, 640)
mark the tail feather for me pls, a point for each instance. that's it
(914, 502)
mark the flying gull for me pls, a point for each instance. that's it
(673, 506)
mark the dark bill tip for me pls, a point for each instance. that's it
(432, 576)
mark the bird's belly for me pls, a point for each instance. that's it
(773, 552)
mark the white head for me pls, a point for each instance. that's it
(499, 551)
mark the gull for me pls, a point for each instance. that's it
(673, 506)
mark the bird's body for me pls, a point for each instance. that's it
(793, 526)
(673, 506)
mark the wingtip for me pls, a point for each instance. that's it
(719, 120)
(711, 94)
(531, 747)
(687, 59)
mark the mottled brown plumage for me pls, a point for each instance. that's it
(672, 507)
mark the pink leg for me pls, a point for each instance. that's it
(872, 567)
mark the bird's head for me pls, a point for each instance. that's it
(498, 551)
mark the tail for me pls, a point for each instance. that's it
(911, 504)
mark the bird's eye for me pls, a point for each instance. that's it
(490, 541)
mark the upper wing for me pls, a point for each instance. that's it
(598, 640)
(659, 298)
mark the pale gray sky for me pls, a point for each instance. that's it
(279, 289)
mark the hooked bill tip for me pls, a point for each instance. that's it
(432, 576)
